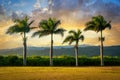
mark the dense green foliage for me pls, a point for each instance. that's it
(59, 61)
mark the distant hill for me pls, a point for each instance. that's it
(64, 50)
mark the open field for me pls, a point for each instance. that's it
(59, 73)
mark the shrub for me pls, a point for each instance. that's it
(58, 61)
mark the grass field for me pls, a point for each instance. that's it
(59, 73)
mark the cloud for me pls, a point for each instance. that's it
(37, 5)
(21, 4)
(60, 4)
(4, 16)
(79, 12)
(73, 15)
(2, 10)
(2, 13)
(5, 39)
(9, 2)
(109, 10)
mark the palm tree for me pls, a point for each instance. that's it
(98, 24)
(21, 26)
(74, 36)
(49, 27)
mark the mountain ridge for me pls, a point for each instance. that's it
(64, 50)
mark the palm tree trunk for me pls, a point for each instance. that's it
(76, 53)
(51, 51)
(24, 49)
(101, 50)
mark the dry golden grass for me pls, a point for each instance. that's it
(59, 73)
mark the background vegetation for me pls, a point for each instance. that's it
(59, 61)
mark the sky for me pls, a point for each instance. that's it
(72, 13)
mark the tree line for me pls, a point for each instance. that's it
(50, 27)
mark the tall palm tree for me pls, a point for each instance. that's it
(49, 27)
(98, 24)
(21, 26)
(74, 36)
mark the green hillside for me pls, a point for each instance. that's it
(64, 50)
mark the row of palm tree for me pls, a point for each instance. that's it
(50, 27)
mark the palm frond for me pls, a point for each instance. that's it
(108, 25)
(97, 24)
(74, 36)
(89, 26)
(71, 41)
(44, 33)
(50, 22)
(26, 18)
(68, 39)
(40, 33)
(79, 32)
(13, 29)
(30, 23)
(44, 25)
(81, 38)
(33, 27)
(60, 31)
(50, 26)
(98, 18)
(36, 33)
(72, 32)
(21, 25)
(56, 24)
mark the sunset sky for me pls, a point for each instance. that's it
(72, 13)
